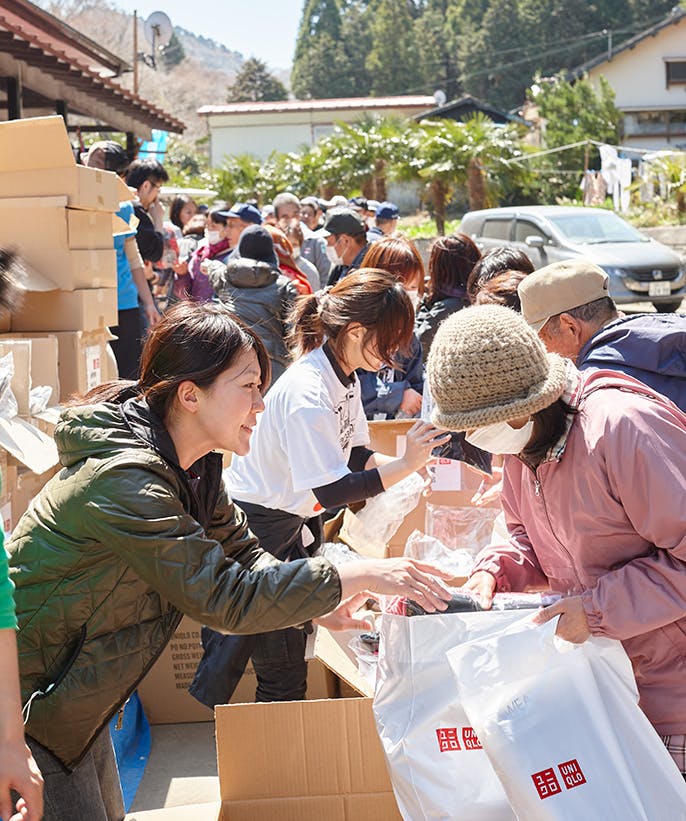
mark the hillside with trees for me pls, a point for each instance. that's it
(491, 49)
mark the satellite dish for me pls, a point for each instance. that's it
(439, 97)
(158, 30)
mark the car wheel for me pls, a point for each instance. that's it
(667, 307)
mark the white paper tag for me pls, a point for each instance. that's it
(93, 366)
(447, 475)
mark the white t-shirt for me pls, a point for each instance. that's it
(303, 440)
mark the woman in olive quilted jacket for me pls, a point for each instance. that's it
(137, 529)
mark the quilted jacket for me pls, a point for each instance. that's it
(113, 550)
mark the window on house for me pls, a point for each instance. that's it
(676, 72)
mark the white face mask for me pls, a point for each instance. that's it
(296, 252)
(213, 237)
(333, 256)
(501, 438)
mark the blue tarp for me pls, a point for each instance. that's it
(156, 148)
(131, 747)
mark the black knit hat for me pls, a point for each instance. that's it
(256, 243)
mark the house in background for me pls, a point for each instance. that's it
(467, 107)
(260, 128)
(648, 76)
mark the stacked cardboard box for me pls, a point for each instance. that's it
(60, 218)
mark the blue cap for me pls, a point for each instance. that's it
(243, 211)
(387, 211)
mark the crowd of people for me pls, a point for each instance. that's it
(275, 334)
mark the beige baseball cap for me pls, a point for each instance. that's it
(560, 287)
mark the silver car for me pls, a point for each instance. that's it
(639, 268)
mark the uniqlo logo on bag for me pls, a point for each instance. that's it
(470, 739)
(447, 739)
(571, 774)
(546, 783)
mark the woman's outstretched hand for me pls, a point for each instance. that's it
(345, 617)
(413, 579)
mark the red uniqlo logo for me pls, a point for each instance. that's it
(470, 739)
(571, 774)
(447, 739)
(546, 783)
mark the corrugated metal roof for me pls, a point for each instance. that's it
(338, 104)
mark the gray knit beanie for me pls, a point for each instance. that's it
(487, 365)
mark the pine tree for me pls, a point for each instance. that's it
(392, 61)
(172, 54)
(321, 68)
(435, 31)
(254, 82)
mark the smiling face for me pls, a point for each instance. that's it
(227, 410)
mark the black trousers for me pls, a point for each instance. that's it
(127, 347)
(278, 656)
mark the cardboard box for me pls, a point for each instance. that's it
(189, 812)
(75, 248)
(35, 364)
(36, 159)
(80, 310)
(27, 446)
(26, 486)
(302, 761)
(164, 691)
(20, 349)
(82, 360)
(389, 437)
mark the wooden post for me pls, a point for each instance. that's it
(13, 98)
(135, 52)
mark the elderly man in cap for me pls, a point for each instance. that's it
(385, 221)
(568, 304)
(239, 217)
(346, 241)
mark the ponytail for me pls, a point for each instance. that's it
(307, 331)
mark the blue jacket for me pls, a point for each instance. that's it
(649, 347)
(382, 392)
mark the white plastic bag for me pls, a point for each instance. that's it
(561, 725)
(8, 403)
(437, 766)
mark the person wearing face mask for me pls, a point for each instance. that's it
(217, 248)
(346, 241)
(395, 391)
(310, 452)
(593, 495)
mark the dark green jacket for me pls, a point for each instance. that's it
(113, 550)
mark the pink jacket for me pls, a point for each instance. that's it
(607, 520)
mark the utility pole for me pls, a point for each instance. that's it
(135, 52)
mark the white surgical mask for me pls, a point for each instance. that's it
(296, 251)
(501, 438)
(333, 256)
(213, 237)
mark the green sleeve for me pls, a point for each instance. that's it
(7, 615)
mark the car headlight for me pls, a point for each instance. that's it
(619, 273)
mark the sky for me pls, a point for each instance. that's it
(265, 29)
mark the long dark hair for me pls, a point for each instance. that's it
(494, 263)
(175, 209)
(549, 425)
(193, 342)
(371, 297)
(450, 263)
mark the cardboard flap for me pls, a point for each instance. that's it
(35, 143)
(333, 650)
(124, 192)
(308, 748)
(13, 203)
(119, 226)
(34, 281)
(28, 445)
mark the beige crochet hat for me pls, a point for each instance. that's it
(487, 365)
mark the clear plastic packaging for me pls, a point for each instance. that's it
(380, 518)
(337, 553)
(429, 549)
(39, 399)
(461, 528)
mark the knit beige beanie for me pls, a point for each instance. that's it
(487, 365)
